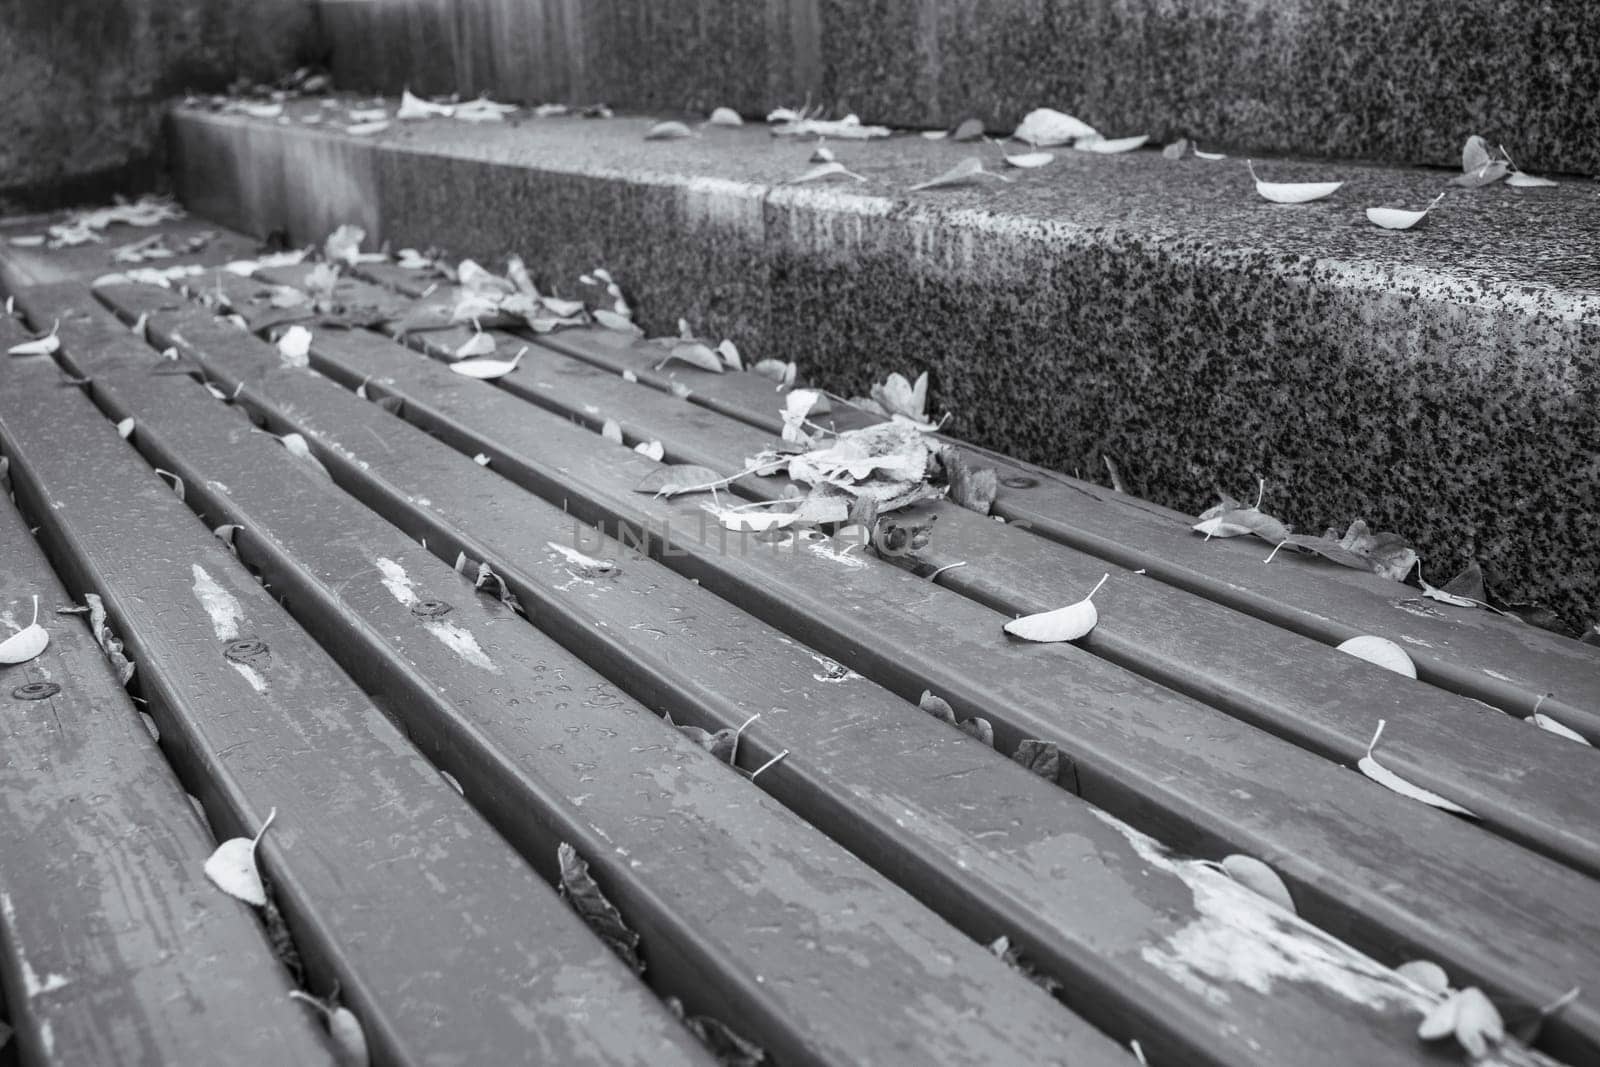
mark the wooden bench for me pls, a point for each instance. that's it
(834, 907)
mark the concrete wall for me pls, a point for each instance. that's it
(85, 84)
(1373, 79)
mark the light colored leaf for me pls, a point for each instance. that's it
(366, 129)
(1545, 722)
(777, 370)
(679, 478)
(489, 369)
(826, 170)
(1487, 174)
(1470, 1016)
(1376, 771)
(937, 706)
(1240, 521)
(980, 728)
(1427, 974)
(1177, 149)
(479, 344)
(754, 521)
(821, 154)
(611, 430)
(1030, 160)
(583, 562)
(27, 643)
(968, 170)
(1259, 878)
(43, 346)
(613, 321)
(898, 396)
(414, 107)
(696, 354)
(1062, 624)
(1381, 652)
(564, 309)
(650, 450)
(1211, 156)
(1045, 127)
(344, 1029)
(299, 449)
(730, 355)
(344, 244)
(1474, 154)
(483, 110)
(232, 867)
(295, 346)
(1391, 218)
(1113, 146)
(726, 116)
(1439, 1020)
(1291, 192)
(667, 131)
(1522, 180)
(968, 130)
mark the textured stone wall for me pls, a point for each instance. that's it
(1366, 79)
(85, 84)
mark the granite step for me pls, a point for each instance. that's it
(1364, 78)
(1440, 381)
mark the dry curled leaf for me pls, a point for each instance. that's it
(1470, 1016)
(651, 450)
(611, 430)
(1427, 974)
(27, 643)
(295, 346)
(696, 354)
(579, 889)
(980, 728)
(968, 130)
(679, 478)
(730, 355)
(488, 369)
(414, 107)
(301, 450)
(232, 867)
(479, 344)
(1391, 218)
(1177, 149)
(1259, 878)
(968, 170)
(1380, 652)
(1041, 757)
(1376, 771)
(728, 1047)
(937, 706)
(612, 320)
(1522, 180)
(973, 488)
(344, 1030)
(1062, 624)
(1291, 192)
(826, 170)
(1045, 126)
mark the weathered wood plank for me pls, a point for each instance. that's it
(738, 901)
(444, 943)
(1376, 869)
(1291, 686)
(21, 267)
(862, 765)
(117, 947)
(1470, 651)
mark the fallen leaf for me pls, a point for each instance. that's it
(898, 396)
(1041, 757)
(43, 346)
(980, 728)
(1062, 624)
(295, 346)
(299, 449)
(1211, 156)
(1376, 771)
(1444, 596)
(1427, 974)
(232, 867)
(696, 354)
(1521, 180)
(973, 488)
(777, 370)
(730, 355)
(727, 1046)
(613, 321)
(938, 707)
(1475, 154)
(650, 450)
(414, 107)
(1030, 160)
(1545, 722)
(1177, 149)
(489, 369)
(579, 889)
(1113, 146)
(344, 1029)
(483, 110)
(826, 170)
(679, 478)
(344, 244)
(26, 643)
(1470, 1016)
(1488, 174)
(726, 116)
(821, 154)
(611, 430)
(667, 131)
(125, 428)
(968, 130)
(1328, 549)
(754, 521)
(1240, 521)
(1380, 652)
(366, 129)
(968, 170)
(1391, 218)
(1259, 878)
(1291, 192)
(479, 344)
(1045, 126)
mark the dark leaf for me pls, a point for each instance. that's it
(730, 1048)
(1041, 757)
(1002, 947)
(721, 744)
(580, 890)
(1388, 553)
(971, 487)
(938, 707)
(391, 404)
(1469, 583)
(1329, 549)
(894, 539)
(1259, 523)
(678, 478)
(970, 130)
(863, 511)
(980, 728)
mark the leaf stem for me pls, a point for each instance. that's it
(1375, 735)
(273, 814)
(1103, 579)
(767, 764)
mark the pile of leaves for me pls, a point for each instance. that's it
(88, 226)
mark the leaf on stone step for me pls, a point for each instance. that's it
(232, 867)
(1391, 218)
(968, 130)
(578, 888)
(479, 344)
(963, 173)
(295, 347)
(725, 116)
(1062, 624)
(1111, 146)
(42, 346)
(27, 643)
(1469, 583)
(1522, 180)
(413, 107)
(678, 478)
(826, 170)
(980, 728)
(1470, 1016)
(696, 354)
(650, 450)
(938, 707)
(613, 321)
(1376, 771)
(1030, 160)
(1041, 757)
(1043, 127)
(563, 309)
(1427, 974)
(1209, 156)
(611, 430)
(797, 407)
(1488, 174)
(1545, 722)
(727, 1046)
(1177, 149)
(1291, 192)
(1380, 652)
(488, 369)
(667, 131)
(1387, 553)
(1259, 878)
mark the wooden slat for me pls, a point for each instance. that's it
(863, 765)
(1469, 651)
(21, 267)
(736, 898)
(116, 947)
(444, 943)
(1294, 687)
(1374, 868)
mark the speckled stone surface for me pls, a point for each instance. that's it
(1443, 382)
(86, 82)
(1369, 79)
